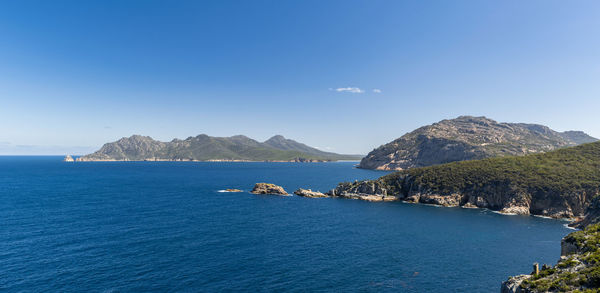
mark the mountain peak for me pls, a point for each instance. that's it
(467, 138)
(277, 137)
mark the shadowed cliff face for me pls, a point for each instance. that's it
(468, 138)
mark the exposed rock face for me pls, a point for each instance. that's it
(467, 138)
(309, 193)
(513, 284)
(268, 188)
(363, 190)
(68, 158)
(237, 148)
(451, 200)
(378, 190)
(592, 215)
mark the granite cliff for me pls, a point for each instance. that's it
(207, 148)
(468, 138)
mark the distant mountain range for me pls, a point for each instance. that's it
(468, 138)
(208, 148)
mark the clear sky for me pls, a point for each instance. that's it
(345, 76)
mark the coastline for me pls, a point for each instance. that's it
(214, 160)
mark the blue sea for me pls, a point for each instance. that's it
(165, 227)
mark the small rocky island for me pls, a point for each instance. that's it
(309, 193)
(268, 188)
(68, 158)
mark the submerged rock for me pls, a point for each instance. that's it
(309, 193)
(268, 188)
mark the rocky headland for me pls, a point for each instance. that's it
(468, 138)
(557, 184)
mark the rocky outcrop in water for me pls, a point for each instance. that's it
(68, 158)
(468, 138)
(309, 193)
(268, 188)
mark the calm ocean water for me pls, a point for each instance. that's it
(163, 226)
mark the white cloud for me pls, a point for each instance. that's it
(377, 91)
(353, 90)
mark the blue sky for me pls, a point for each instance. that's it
(77, 74)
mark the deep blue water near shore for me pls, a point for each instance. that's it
(162, 226)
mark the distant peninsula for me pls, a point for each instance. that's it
(237, 148)
(468, 138)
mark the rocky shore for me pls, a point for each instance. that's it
(577, 270)
(498, 198)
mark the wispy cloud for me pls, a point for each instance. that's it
(377, 91)
(354, 90)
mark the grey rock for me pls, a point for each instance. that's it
(468, 138)
(268, 188)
